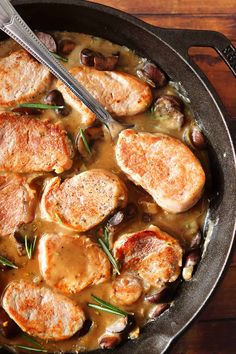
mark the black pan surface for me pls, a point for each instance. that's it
(169, 49)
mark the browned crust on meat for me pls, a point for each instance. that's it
(22, 78)
(163, 166)
(42, 313)
(17, 203)
(29, 145)
(84, 200)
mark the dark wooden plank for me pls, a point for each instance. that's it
(209, 337)
(173, 6)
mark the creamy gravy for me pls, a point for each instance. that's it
(182, 226)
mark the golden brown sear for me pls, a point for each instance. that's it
(22, 78)
(83, 201)
(42, 313)
(163, 166)
(32, 145)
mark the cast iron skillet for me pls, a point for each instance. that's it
(169, 48)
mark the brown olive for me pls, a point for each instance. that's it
(66, 46)
(87, 57)
(116, 219)
(27, 111)
(196, 241)
(48, 40)
(8, 328)
(158, 310)
(155, 74)
(95, 132)
(191, 261)
(198, 139)
(170, 109)
(109, 341)
(164, 295)
(106, 63)
(54, 98)
(122, 216)
(123, 324)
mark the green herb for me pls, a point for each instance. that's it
(85, 141)
(40, 106)
(30, 246)
(106, 237)
(59, 57)
(109, 255)
(58, 218)
(107, 307)
(31, 340)
(32, 349)
(5, 262)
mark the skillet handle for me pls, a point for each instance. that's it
(181, 40)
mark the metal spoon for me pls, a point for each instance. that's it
(12, 24)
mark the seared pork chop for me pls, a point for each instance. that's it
(163, 166)
(42, 313)
(22, 78)
(72, 263)
(83, 201)
(29, 145)
(119, 93)
(17, 203)
(151, 254)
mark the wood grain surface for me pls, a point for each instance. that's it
(214, 332)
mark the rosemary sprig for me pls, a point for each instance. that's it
(58, 218)
(106, 237)
(107, 307)
(40, 106)
(5, 262)
(109, 255)
(32, 349)
(59, 57)
(31, 340)
(30, 246)
(83, 137)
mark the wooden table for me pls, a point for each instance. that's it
(214, 332)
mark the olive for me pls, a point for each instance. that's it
(198, 139)
(116, 219)
(155, 74)
(191, 261)
(164, 295)
(170, 107)
(91, 134)
(122, 325)
(20, 243)
(109, 341)
(123, 215)
(196, 241)
(106, 63)
(66, 46)
(27, 111)
(158, 310)
(48, 40)
(8, 328)
(54, 98)
(87, 57)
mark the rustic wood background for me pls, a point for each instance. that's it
(214, 332)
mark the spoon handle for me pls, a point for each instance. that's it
(13, 25)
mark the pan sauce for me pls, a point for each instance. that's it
(182, 226)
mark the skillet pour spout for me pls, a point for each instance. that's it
(167, 47)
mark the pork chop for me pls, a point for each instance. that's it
(42, 313)
(14, 191)
(152, 254)
(28, 145)
(72, 263)
(163, 166)
(83, 201)
(120, 93)
(22, 78)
